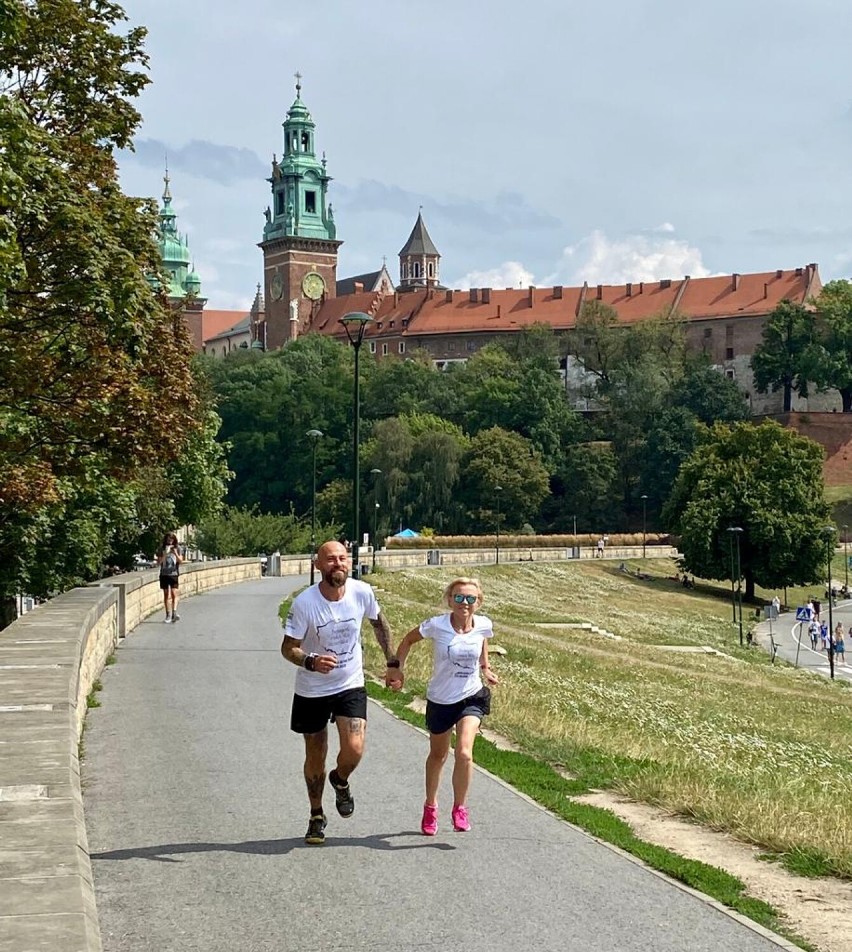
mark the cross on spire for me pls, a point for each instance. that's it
(298, 85)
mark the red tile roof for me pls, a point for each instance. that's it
(424, 313)
(216, 322)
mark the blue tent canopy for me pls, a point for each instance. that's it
(406, 534)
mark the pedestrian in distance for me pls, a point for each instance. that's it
(600, 548)
(825, 635)
(813, 631)
(817, 606)
(456, 698)
(169, 560)
(838, 644)
(322, 637)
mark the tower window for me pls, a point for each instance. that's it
(405, 269)
(295, 142)
(306, 142)
(279, 203)
(431, 269)
(311, 202)
(416, 267)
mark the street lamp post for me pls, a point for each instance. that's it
(355, 324)
(828, 532)
(375, 473)
(736, 531)
(846, 556)
(644, 521)
(314, 436)
(498, 490)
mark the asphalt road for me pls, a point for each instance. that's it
(196, 813)
(794, 644)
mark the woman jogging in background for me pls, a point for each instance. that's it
(456, 697)
(169, 560)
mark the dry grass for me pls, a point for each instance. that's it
(761, 751)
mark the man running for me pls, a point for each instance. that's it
(322, 636)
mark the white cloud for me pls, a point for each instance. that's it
(666, 226)
(601, 260)
(510, 274)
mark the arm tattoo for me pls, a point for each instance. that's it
(383, 635)
(291, 649)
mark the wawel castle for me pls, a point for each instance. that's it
(302, 293)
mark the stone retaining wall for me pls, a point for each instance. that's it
(49, 660)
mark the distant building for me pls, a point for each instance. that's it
(724, 315)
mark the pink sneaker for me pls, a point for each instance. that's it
(429, 823)
(461, 821)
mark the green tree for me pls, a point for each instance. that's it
(586, 486)
(781, 361)
(765, 479)
(498, 457)
(94, 367)
(831, 368)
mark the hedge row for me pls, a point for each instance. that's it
(524, 541)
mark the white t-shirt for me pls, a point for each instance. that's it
(455, 658)
(326, 627)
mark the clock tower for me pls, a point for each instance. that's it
(299, 239)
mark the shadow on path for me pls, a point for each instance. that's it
(166, 852)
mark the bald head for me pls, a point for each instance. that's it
(333, 563)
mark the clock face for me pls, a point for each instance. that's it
(313, 285)
(276, 286)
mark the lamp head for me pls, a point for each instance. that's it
(314, 434)
(355, 324)
(736, 529)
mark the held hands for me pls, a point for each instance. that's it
(394, 679)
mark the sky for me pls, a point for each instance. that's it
(548, 142)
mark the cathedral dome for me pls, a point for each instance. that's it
(193, 282)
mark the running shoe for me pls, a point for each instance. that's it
(429, 823)
(316, 830)
(343, 799)
(461, 821)
(175, 616)
(167, 620)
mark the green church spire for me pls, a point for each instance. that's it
(299, 181)
(174, 250)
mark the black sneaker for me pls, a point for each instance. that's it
(316, 830)
(343, 799)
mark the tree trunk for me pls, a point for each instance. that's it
(846, 397)
(788, 396)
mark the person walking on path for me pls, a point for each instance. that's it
(322, 637)
(169, 560)
(839, 644)
(455, 697)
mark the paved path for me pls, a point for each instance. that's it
(196, 811)
(794, 643)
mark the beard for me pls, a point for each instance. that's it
(336, 578)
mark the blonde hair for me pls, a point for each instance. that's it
(448, 591)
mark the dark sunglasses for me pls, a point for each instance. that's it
(461, 599)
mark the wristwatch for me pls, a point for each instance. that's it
(393, 662)
(310, 662)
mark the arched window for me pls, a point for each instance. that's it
(416, 269)
(431, 269)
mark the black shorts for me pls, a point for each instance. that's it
(310, 715)
(443, 717)
(168, 581)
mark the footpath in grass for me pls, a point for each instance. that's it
(758, 750)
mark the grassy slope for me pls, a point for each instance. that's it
(732, 741)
